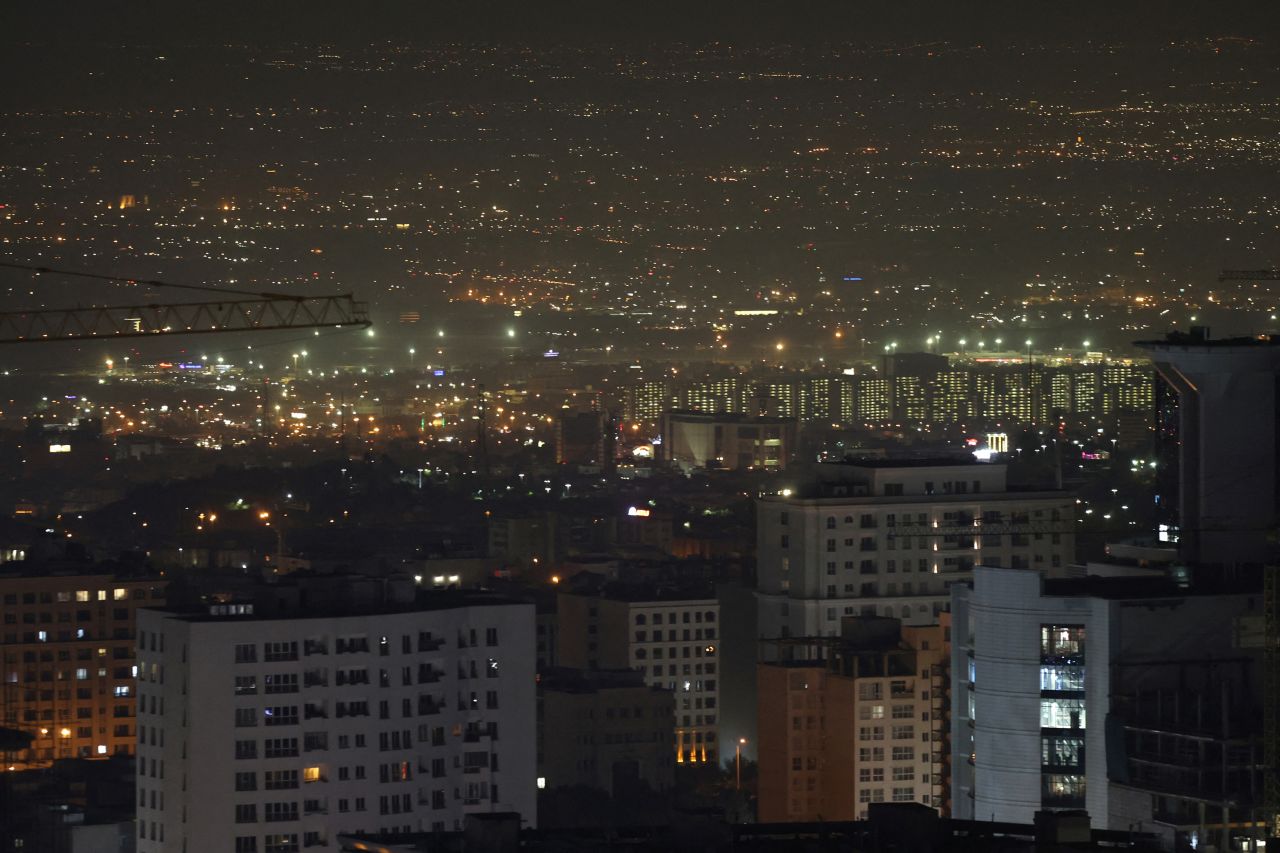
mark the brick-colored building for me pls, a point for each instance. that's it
(67, 657)
(849, 721)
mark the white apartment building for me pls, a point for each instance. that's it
(670, 636)
(888, 537)
(267, 735)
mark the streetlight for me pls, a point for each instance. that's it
(737, 761)
(412, 351)
(295, 364)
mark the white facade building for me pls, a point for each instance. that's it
(267, 735)
(1030, 697)
(889, 538)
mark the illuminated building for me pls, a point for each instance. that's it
(278, 724)
(952, 397)
(1085, 390)
(604, 729)
(873, 401)
(777, 399)
(68, 657)
(822, 398)
(888, 537)
(715, 396)
(645, 401)
(737, 442)
(1134, 698)
(909, 399)
(669, 634)
(1125, 387)
(850, 721)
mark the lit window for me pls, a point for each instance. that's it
(82, 595)
(119, 593)
(311, 774)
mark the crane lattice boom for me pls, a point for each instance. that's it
(251, 314)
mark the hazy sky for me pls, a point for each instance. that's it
(280, 21)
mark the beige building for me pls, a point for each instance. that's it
(670, 635)
(889, 537)
(849, 721)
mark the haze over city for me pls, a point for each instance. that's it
(677, 391)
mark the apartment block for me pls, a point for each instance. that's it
(669, 634)
(604, 729)
(373, 708)
(853, 720)
(888, 537)
(68, 658)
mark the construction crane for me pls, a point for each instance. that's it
(1249, 275)
(245, 311)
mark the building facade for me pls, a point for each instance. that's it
(274, 734)
(1135, 698)
(68, 660)
(844, 723)
(606, 730)
(888, 538)
(671, 635)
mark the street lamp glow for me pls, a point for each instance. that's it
(511, 333)
(779, 346)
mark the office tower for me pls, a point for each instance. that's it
(737, 442)
(1130, 697)
(1225, 443)
(853, 720)
(68, 658)
(332, 705)
(604, 729)
(888, 537)
(669, 633)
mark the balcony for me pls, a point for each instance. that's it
(313, 711)
(430, 644)
(314, 647)
(315, 678)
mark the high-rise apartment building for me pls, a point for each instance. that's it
(645, 401)
(888, 537)
(68, 658)
(371, 707)
(670, 634)
(849, 721)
